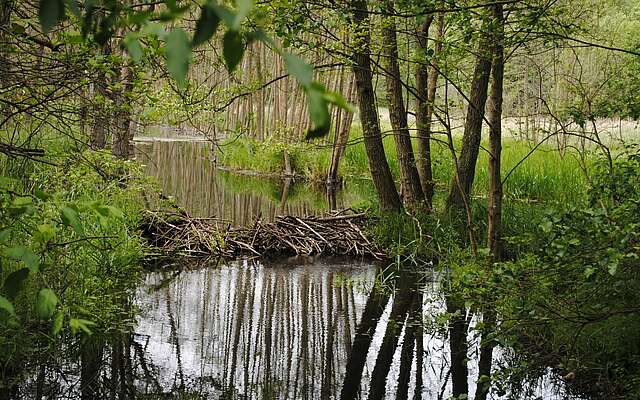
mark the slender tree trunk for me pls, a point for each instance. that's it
(495, 140)
(380, 172)
(494, 238)
(465, 172)
(409, 178)
(423, 156)
(6, 9)
(426, 84)
(101, 119)
(341, 136)
(122, 134)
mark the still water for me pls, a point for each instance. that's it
(300, 328)
(187, 172)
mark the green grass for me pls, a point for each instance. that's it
(543, 175)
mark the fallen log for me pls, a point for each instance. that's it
(179, 234)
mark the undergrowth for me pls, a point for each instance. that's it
(69, 252)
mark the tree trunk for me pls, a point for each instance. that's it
(341, 136)
(122, 135)
(426, 84)
(101, 119)
(380, 172)
(465, 172)
(6, 9)
(495, 195)
(409, 178)
(495, 140)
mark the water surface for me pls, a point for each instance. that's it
(296, 328)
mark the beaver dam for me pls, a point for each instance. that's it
(179, 234)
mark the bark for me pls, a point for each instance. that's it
(341, 136)
(122, 135)
(380, 172)
(409, 178)
(101, 119)
(6, 9)
(466, 168)
(495, 195)
(495, 141)
(426, 84)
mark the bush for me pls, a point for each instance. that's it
(69, 253)
(573, 299)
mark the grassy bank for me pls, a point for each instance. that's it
(541, 175)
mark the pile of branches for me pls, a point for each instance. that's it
(178, 234)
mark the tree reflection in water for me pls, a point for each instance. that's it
(292, 329)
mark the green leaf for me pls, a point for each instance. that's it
(233, 48)
(154, 29)
(7, 306)
(115, 212)
(226, 15)
(46, 303)
(259, 34)
(14, 282)
(74, 8)
(56, 326)
(24, 254)
(5, 234)
(22, 205)
(337, 99)
(42, 195)
(613, 268)
(206, 26)
(71, 218)
(299, 69)
(319, 111)
(178, 54)
(50, 13)
(588, 272)
(243, 9)
(546, 226)
(77, 324)
(132, 44)
(44, 233)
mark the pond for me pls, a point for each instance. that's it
(294, 328)
(186, 171)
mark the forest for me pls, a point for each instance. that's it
(320, 199)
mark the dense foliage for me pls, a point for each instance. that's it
(69, 254)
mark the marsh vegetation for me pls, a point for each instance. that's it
(489, 151)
